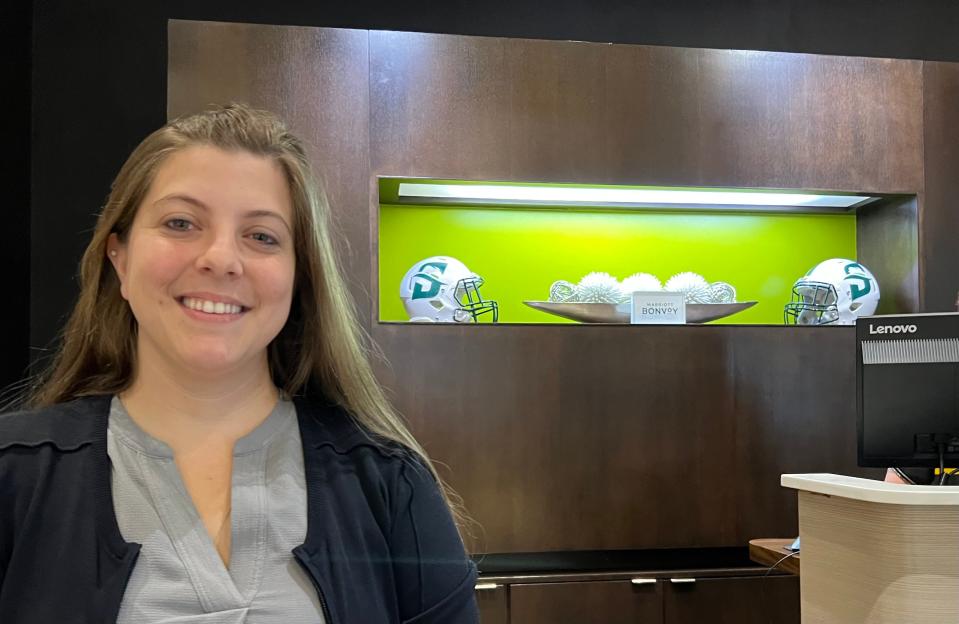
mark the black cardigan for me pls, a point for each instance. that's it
(380, 545)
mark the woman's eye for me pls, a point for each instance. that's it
(263, 237)
(181, 225)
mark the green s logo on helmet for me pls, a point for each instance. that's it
(425, 286)
(859, 282)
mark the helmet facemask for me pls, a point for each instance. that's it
(470, 300)
(812, 303)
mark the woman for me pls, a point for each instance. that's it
(211, 445)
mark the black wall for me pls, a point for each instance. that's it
(98, 84)
(15, 47)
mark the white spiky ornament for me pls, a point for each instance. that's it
(686, 283)
(598, 288)
(641, 282)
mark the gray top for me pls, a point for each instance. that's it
(179, 577)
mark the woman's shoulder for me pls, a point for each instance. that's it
(65, 426)
(324, 423)
(331, 435)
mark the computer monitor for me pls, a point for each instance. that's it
(907, 388)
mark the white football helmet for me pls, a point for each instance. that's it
(440, 289)
(834, 291)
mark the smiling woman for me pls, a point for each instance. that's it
(210, 444)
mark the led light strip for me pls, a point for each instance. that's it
(547, 195)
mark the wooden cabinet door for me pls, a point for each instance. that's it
(593, 602)
(753, 600)
(492, 600)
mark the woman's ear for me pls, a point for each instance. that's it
(117, 253)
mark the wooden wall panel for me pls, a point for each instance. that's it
(592, 437)
(557, 107)
(887, 237)
(486, 108)
(442, 105)
(939, 216)
(763, 119)
(317, 80)
(793, 392)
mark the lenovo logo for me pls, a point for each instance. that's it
(892, 329)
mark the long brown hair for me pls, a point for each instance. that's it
(320, 349)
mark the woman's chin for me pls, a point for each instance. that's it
(216, 362)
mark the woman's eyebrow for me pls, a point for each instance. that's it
(184, 198)
(253, 214)
(250, 214)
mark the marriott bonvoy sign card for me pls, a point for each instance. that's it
(660, 308)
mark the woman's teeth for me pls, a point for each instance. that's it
(211, 307)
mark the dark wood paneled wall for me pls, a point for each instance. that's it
(939, 220)
(887, 237)
(507, 109)
(591, 437)
(619, 437)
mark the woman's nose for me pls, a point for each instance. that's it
(221, 256)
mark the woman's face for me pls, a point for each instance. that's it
(208, 265)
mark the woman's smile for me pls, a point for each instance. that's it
(212, 307)
(206, 310)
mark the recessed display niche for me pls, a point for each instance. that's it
(521, 238)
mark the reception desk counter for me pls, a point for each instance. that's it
(876, 552)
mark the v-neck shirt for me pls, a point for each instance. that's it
(179, 577)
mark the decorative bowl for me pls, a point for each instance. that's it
(619, 312)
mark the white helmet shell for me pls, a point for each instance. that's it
(440, 289)
(835, 291)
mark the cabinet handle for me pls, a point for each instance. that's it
(482, 586)
(643, 581)
(682, 580)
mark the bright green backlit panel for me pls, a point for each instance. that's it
(519, 253)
